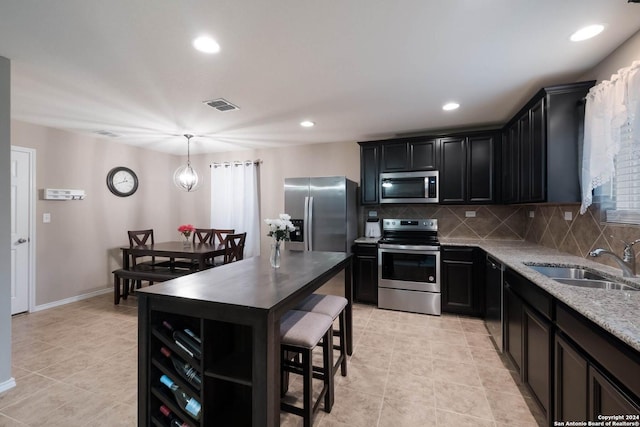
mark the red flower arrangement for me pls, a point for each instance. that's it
(186, 230)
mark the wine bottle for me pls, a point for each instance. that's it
(186, 340)
(186, 402)
(173, 420)
(184, 369)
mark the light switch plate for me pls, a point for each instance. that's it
(568, 216)
(46, 218)
(532, 214)
(470, 214)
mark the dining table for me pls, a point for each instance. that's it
(234, 312)
(198, 252)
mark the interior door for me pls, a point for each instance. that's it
(21, 197)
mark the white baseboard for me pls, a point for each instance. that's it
(72, 299)
(9, 384)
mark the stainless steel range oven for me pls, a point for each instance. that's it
(409, 266)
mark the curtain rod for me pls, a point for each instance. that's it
(236, 163)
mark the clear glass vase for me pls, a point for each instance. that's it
(186, 242)
(275, 255)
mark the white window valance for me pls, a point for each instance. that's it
(612, 113)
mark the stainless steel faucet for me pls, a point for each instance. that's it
(628, 260)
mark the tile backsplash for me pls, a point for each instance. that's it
(579, 235)
(489, 221)
(548, 226)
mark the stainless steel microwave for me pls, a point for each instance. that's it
(409, 187)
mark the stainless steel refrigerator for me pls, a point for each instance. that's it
(324, 212)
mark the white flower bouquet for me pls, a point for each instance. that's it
(280, 228)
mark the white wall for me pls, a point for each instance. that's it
(77, 251)
(5, 225)
(623, 56)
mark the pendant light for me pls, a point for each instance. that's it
(185, 177)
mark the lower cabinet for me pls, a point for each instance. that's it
(605, 398)
(529, 335)
(594, 374)
(571, 382)
(537, 351)
(365, 273)
(462, 280)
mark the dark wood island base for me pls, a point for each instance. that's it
(234, 310)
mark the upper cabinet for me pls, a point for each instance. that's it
(369, 170)
(467, 168)
(540, 154)
(466, 163)
(408, 155)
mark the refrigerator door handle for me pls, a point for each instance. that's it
(310, 226)
(305, 229)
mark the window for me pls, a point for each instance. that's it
(611, 149)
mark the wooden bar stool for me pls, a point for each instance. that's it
(300, 333)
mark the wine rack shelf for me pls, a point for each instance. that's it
(225, 368)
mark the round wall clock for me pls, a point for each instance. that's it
(122, 181)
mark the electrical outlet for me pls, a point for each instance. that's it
(46, 218)
(532, 214)
(568, 216)
(470, 214)
(373, 214)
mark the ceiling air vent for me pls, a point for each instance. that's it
(106, 133)
(221, 104)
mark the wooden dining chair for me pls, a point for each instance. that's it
(234, 247)
(203, 235)
(141, 238)
(219, 235)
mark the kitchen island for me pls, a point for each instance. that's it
(234, 310)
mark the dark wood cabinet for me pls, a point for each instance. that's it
(462, 280)
(365, 273)
(481, 168)
(409, 154)
(394, 157)
(423, 154)
(453, 170)
(510, 183)
(529, 336)
(540, 149)
(605, 398)
(467, 169)
(536, 373)
(513, 311)
(369, 158)
(595, 373)
(571, 382)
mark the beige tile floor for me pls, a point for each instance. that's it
(75, 365)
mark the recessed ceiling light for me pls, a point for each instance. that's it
(307, 123)
(206, 44)
(586, 33)
(450, 106)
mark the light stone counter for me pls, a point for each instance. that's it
(616, 311)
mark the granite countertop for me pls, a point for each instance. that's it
(614, 310)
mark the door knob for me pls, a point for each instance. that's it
(21, 241)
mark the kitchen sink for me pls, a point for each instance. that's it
(567, 272)
(577, 276)
(599, 284)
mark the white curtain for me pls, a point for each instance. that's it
(234, 201)
(609, 106)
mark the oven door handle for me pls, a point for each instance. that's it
(407, 248)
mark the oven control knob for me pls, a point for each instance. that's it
(432, 279)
